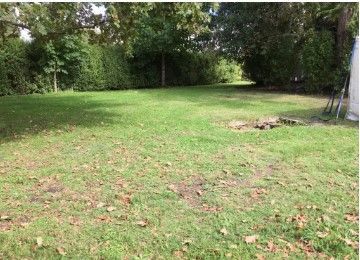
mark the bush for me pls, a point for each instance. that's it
(99, 67)
(185, 68)
(14, 68)
(103, 68)
(318, 60)
(227, 71)
(275, 64)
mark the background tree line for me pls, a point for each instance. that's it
(152, 44)
(277, 42)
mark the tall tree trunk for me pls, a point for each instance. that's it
(344, 17)
(163, 82)
(55, 82)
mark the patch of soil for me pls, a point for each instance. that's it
(265, 124)
(192, 191)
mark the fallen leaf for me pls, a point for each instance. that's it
(168, 164)
(226, 171)
(351, 217)
(301, 220)
(322, 234)
(187, 242)
(109, 209)
(351, 243)
(24, 224)
(39, 241)
(104, 218)
(100, 205)
(260, 257)
(178, 254)
(4, 217)
(142, 223)
(256, 192)
(271, 246)
(173, 188)
(126, 199)
(223, 231)
(61, 251)
(353, 232)
(250, 239)
(281, 183)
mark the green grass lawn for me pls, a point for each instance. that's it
(155, 173)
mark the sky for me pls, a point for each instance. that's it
(25, 33)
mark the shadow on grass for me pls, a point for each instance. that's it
(32, 114)
(252, 97)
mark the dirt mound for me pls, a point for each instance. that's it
(265, 124)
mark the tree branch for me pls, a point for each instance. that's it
(79, 27)
(21, 25)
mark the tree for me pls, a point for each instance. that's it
(62, 56)
(169, 27)
(268, 38)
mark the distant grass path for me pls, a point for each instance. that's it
(155, 172)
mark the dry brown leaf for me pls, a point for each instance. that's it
(300, 220)
(224, 231)
(39, 241)
(109, 209)
(173, 188)
(142, 223)
(126, 199)
(353, 244)
(250, 239)
(352, 217)
(256, 192)
(104, 218)
(271, 246)
(61, 250)
(322, 234)
(24, 224)
(260, 257)
(100, 205)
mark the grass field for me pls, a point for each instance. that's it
(156, 173)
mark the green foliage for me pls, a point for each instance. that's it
(228, 71)
(14, 68)
(318, 59)
(270, 39)
(104, 67)
(185, 68)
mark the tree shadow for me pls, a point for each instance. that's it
(24, 115)
(252, 97)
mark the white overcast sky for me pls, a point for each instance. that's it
(25, 33)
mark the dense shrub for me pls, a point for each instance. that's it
(227, 71)
(89, 67)
(185, 68)
(318, 60)
(103, 68)
(14, 68)
(275, 64)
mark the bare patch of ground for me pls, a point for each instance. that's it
(265, 124)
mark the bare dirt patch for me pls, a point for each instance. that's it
(191, 191)
(265, 124)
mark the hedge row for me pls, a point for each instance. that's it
(108, 68)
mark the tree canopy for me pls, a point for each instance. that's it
(276, 43)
